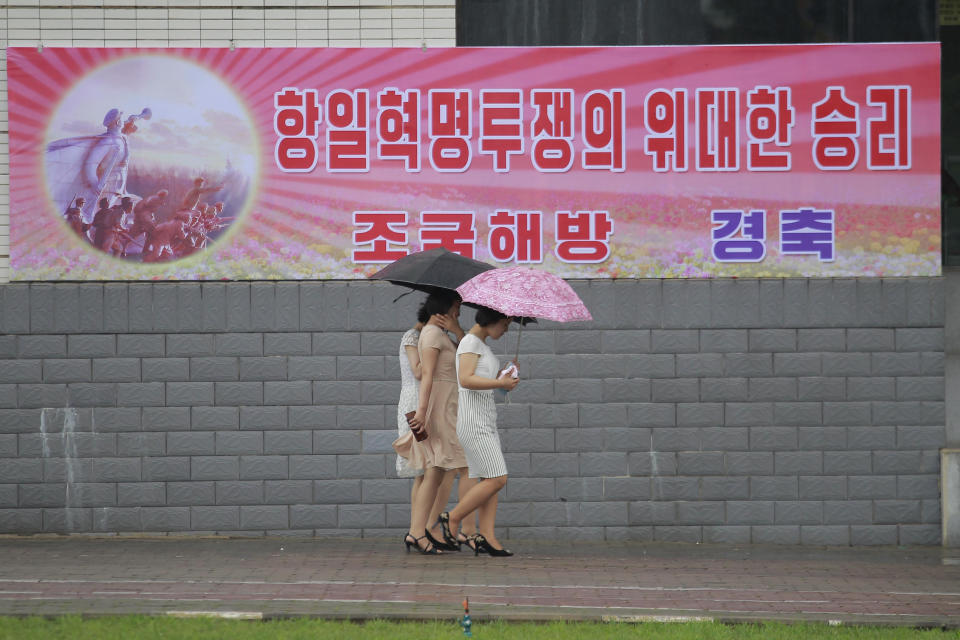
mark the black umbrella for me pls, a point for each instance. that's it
(434, 270)
(431, 270)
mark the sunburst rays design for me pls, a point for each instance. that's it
(300, 225)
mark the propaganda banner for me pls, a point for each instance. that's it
(588, 162)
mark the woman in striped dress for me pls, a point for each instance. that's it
(477, 375)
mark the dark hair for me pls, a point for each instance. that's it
(487, 316)
(437, 302)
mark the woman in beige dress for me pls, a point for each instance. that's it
(440, 454)
(409, 399)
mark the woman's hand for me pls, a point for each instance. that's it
(418, 420)
(508, 382)
(444, 321)
(509, 376)
(449, 323)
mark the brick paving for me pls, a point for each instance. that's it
(375, 578)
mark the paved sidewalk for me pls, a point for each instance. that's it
(340, 578)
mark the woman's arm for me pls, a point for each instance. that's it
(456, 330)
(413, 356)
(427, 365)
(469, 380)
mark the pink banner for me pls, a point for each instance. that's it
(626, 162)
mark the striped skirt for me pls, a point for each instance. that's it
(477, 431)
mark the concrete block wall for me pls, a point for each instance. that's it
(765, 411)
(209, 23)
(752, 410)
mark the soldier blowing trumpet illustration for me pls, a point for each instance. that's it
(93, 167)
(87, 178)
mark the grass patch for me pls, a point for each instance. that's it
(157, 627)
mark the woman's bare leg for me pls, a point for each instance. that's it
(476, 496)
(488, 519)
(423, 501)
(417, 482)
(440, 503)
(469, 524)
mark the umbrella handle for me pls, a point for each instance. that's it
(519, 333)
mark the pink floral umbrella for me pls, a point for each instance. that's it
(521, 291)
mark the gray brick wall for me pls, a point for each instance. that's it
(720, 411)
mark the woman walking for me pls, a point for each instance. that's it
(477, 376)
(436, 413)
(409, 389)
(410, 372)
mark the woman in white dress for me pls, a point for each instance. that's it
(477, 376)
(409, 389)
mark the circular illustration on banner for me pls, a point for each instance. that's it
(150, 158)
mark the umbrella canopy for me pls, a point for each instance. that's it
(521, 291)
(431, 270)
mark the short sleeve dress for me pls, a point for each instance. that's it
(441, 447)
(409, 388)
(477, 415)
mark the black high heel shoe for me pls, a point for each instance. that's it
(486, 547)
(443, 546)
(448, 538)
(410, 541)
(430, 550)
(470, 541)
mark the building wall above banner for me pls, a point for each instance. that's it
(629, 162)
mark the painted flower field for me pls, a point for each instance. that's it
(654, 236)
